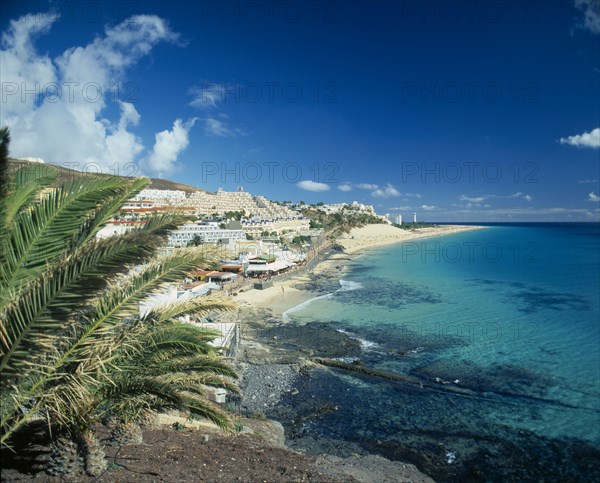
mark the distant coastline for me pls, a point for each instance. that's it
(283, 295)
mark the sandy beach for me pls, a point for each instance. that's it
(284, 295)
(373, 236)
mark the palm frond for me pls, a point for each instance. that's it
(200, 406)
(35, 316)
(25, 184)
(49, 229)
(127, 396)
(109, 208)
(190, 381)
(159, 365)
(122, 300)
(197, 306)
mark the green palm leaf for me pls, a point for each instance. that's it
(198, 306)
(42, 234)
(39, 312)
(25, 185)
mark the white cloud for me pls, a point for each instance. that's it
(587, 181)
(208, 95)
(476, 200)
(401, 208)
(22, 66)
(593, 196)
(585, 140)
(384, 193)
(591, 15)
(472, 199)
(387, 192)
(529, 211)
(65, 120)
(309, 185)
(216, 127)
(413, 195)
(168, 145)
(428, 207)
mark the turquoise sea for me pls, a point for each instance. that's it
(500, 326)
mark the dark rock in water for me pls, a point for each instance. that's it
(526, 458)
(402, 423)
(394, 295)
(316, 339)
(531, 299)
(500, 378)
(359, 367)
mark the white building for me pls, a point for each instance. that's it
(153, 194)
(116, 228)
(354, 206)
(208, 232)
(396, 219)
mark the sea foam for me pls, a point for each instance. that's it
(345, 286)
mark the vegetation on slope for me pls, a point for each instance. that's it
(74, 348)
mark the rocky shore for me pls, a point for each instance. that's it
(275, 360)
(264, 385)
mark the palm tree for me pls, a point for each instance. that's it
(196, 241)
(73, 345)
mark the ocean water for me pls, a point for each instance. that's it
(499, 332)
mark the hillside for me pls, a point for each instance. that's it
(64, 174)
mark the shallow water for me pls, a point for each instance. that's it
(502, 328)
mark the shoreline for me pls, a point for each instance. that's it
(271, 373)
(283, 296)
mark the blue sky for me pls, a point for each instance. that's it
(461, 111)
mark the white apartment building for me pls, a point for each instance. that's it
(154, 194)
(354, 206)
(394, 218)
(259, 213)
(116, 228)
(279, 226)
(209, 232)
(224, 201)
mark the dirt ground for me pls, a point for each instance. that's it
(169, 455)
